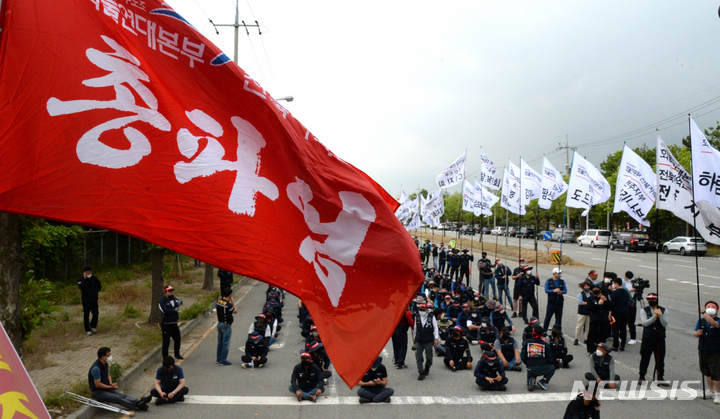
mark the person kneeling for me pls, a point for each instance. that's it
(306, 381)
(256, 350)
(489, 373)
(373, 386)
(169, 383)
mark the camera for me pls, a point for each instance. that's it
(639, 284)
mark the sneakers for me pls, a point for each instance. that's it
(531, 384)
(246, 365)
(473, 342)
(88, 333)
(225, 363)
(576, 343)
(543, 384)
(421, 377)
(261, 365)
(142, 404)
(517, 368)
(632, 342)
(364, 400)
(386, 400)
(454, 368)
(717, 398)
(400, 366)
(514, 315)
(93, 330)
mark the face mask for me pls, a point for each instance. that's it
(606, 280)
(315, 334)
(305, 363)
(711, 312)
(652, 303)
(587, 290)
(456, 336)
(88, 276)
(599, 352)
(484, 325)
(596, 292)
(373, 369)
(474, 315)
(554, 334)
(109, 359)
(505, 336)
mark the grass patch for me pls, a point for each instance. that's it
(131, 312)
(146, 337)
(121, 293)
(55, 399)
(200, 306)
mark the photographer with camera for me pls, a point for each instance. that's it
(169, 305)
(635, 288)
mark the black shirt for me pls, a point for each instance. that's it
(89, 288)
(620, 301)
(379, 373)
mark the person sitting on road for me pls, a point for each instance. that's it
(274, 326)
(320, 358)
(373, 386)
(446, 302)
(454, 311)
(489, 373)
(508, 351)
(464, 317)
(169, 383)
(457, 356)
(256, 351)
(314, 335)
(486, 335)
(584, 406)
(104, 390)
(559, 349)
(263, 328)
(602, 368)
(306, 382)
(537, 356)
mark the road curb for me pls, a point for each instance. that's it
(149, 360)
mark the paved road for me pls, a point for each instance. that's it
(231, 392)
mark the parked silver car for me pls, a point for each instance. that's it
(595, 238)
(564, 235)
(685, 245)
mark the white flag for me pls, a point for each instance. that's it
(510, 198)
(414, 224)
(588, 186)
(489, 175)
(674, 186)
(403, 196)
(531, 183)
(484, 200)
(706, 167)
(404, 211)
(635, 190)
(468, 197)
(435, 208)
(454, 174)
(553, 184)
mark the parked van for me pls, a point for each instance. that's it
(595, 238)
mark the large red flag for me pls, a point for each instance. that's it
(119, 114)
(17, 392)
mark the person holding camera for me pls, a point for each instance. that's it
(170, 305)
(629, 284)
(654, 320)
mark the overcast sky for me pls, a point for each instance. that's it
(402, 88)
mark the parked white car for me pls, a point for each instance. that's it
(595, 238)
(685, 245)
(498, 231)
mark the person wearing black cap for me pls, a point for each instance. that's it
(305, 381)
(595, 305)
(426, 252)
(528, 332)
(320, 358)
(489, 373)
(602, 367)
(373, 385)
(654, 319)
(225, 310)
(487, 334)
(400, 339)
(457, 351)
(464, 261)
(559, 348)
(256, 351)
(426, 338)
(169, 383)
(537, 356)
(528, 282)
(454, 259)
(507, 350)
(264, 328)
(89, 286)
(226, 278)
(517, 281)
(485, 275)
(169, 305)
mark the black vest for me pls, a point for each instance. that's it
(507, 349)
(554, 298)
(488, 335)
(559, 350)
(488, 370)
(536, 353)
(103, 375)
(169, 380)
(584, 310)
(656, 330)
(425, 334)
(602, 366)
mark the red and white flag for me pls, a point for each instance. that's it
(121, 115)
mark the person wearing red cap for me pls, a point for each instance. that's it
(489, 373)
(457, 355)
(170, 305)
(306, 382)
(654, 319)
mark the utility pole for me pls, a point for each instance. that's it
(237, 26)
(567, 153)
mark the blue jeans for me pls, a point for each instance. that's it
(511, 363)
(547, 371)
(435, 262)
(223, 347)
(502, 289)
(487, 283)
(306, 394)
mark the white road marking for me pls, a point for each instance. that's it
(602, 260)
(623, 257)
(398, 400)
(331, 382)
(583, 251)
(670, 279)
(686, 282)
(708, 276)
(689, 267)
(648, 267)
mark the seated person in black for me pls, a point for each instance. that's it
(559, 349)
(373, 386)
(489, 373)
(169, 383)
(457, 351)
(256, 351)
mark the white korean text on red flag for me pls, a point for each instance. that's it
(173, 143)
(553, 184)
(453, 175)
(489, 175)
(674, 186)
(635, 189)
(531, 183)
(706, 167)
(587, 187)
(484, 201)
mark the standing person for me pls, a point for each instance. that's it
(528, 282)
(373, 386)
(708, 330)
(465, 260)
(619, 311)
(537, 356)
(554, 288)
(256, 352)
(169, 305)
(225, 310)
(442, 258)
(305, 380)
(89, 286)
(400, 339)
(485, 275)
(606, 288)
(104, 390)
(592, 278)
(595, 304)
(169, 383)
(435, 256)
(426, 338)
(455, 264)
(489, 373)
(426, 252)
(517, 277)
(226, 278)
(632, 312)
(654, 320)
(502, 277)
(583, 314)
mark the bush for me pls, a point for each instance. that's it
(131, 312)
(200, 306)
(35, 304)
(115, 372)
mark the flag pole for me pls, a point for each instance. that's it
(657, 234)
(607, 249)
(697, 269)
(562, 231)
(520, 210)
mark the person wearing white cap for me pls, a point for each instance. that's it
(554, 288)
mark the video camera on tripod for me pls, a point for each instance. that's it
(639, 284)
